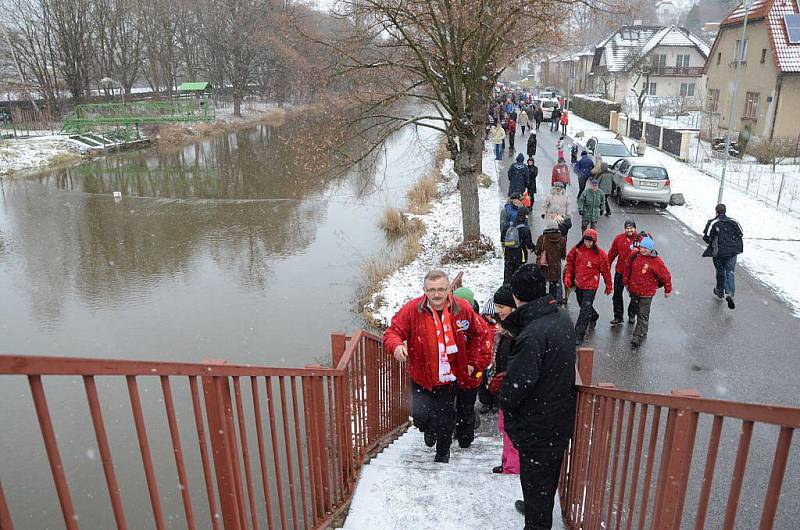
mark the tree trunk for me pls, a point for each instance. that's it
(468, 164)
(237, 104)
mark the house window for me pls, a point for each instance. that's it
(650, 89)
(751, 105)
(763, 55)
(719, 57)
(687, 90)
(713, 100)
(683, 60)
(660, 61)
(741, 51)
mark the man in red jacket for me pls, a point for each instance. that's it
(586, 262)
(446, 344)
(621, 250)
(644, 274)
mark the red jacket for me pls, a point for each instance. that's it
(586, 265)
(560, 174)
(621, 248)
(564, 118)
(413, 324)
(643, 273)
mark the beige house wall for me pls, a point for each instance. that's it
(787, 124)
(756, 77)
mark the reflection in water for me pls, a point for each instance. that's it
(217, 247)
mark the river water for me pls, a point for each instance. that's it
(239, 247)
(236, 247)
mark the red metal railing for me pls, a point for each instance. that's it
(630, 462)
(275, 447)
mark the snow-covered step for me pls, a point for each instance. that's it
(403, 488)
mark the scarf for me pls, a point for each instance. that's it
(446, 343)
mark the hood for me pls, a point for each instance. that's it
(516, 321)
(591, 232)
(553, 235)
(520, 158)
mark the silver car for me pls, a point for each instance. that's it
(640, 181)
(610, 149)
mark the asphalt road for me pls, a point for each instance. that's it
(748, 354)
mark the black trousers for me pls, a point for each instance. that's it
(587, 313)
(641, 307)
(608, 208)
(465, 415)
(538, 473)
(434, 411)
(511, 143)
(564, 129)
(513, 260)
(619, 303)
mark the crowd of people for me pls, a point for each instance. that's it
(518, 352)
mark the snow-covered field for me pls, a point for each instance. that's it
(26, 153)
(771, 246)
(443, 230)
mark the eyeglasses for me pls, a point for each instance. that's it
(441, 290)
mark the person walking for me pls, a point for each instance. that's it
(724, 238)
(518, 176)
(551, 250)
(584, 170)
(538, 396)
(509, 213)
(498, 137)
(468, 387)
(512, 133)
(591, 205)
(517, 241)
(504, 305)
(533, 173)
(606, 179)
(620, 250)
(586, 263)
(441, 339)
(644, 273)
(564, 121)
(560, 144)
(531, 147)
(523, 121)
(539, 116)
(560, 173)
(555, 119)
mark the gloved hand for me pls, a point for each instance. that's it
(568, 282)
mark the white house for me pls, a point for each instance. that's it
(672, 56)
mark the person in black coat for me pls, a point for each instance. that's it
(518, 176)
(724, 238)
(531, 148)
(538, 396)
(538, 116)
(515, 255)
(533, 172)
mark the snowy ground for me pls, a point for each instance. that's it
(772, 244)
(443, 230)
(26, 153)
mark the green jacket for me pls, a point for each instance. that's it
(592, 204)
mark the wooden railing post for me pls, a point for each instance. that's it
(585, 365)
(338, 345)
(676, 460)
(219, 411)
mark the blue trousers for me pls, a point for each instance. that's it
(726, 275)
(498, 151)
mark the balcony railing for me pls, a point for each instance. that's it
(677, 71)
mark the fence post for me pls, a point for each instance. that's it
(338, 345)
(585, 365)
(780, 188)
(219, 412)
(676, 460)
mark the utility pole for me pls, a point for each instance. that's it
(739, 58)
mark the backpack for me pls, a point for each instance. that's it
(513, 239)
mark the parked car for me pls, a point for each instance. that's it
(610, 149)
(547, 107)
(636, 180)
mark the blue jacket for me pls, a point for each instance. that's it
(584, 166)
(518, 176)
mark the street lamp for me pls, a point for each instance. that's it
(107, 81)
(739, 58)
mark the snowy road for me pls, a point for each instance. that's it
(749, 354)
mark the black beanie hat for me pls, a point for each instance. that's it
(630, 223)
(528, 283)
(503, 296)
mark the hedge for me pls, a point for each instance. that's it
(593, 109)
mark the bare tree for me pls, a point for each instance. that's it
(71, 26)
(642, 70)
(117, 40)
(446, 56)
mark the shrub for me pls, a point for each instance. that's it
(484, 180)
(470, 250)
(422, 194)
